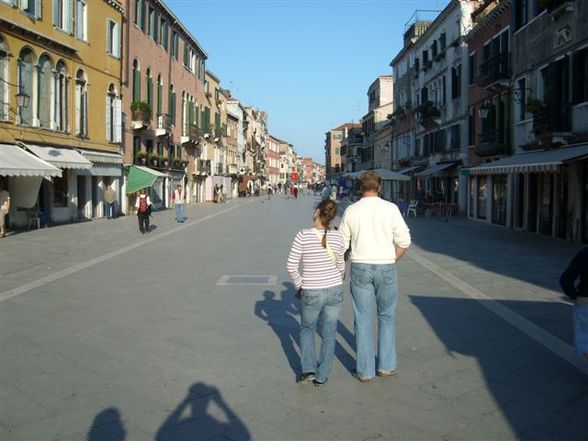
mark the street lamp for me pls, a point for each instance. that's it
(22, 99)
(483, 110)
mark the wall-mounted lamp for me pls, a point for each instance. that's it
(22, 99)
(484, 109)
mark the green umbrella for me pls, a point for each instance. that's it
(141, 177)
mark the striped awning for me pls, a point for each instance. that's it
(542, 161)
(15, 161)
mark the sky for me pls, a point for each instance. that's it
(307, 63)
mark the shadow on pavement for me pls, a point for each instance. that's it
(191, 420)
(540, 395)
(107, 425)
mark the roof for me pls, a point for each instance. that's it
(536, 161)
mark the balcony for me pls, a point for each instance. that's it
(141, 115)
(203, 167)
(164, 124)
(429, 115)
(555, 7)
(494, 70)
(493, 142)
(190, 135)
(220, 169)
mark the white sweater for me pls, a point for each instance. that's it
(374, 227)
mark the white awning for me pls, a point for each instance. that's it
(15, 161)
(434, 170)
(102, 157)
(152, 171)
(60, 157)
(542, 161)
(409, 169)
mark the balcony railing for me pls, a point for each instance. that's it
(220, 169)
(552, 119)
(493, 142)
(164, 124)
(203, 167)
(494, 69)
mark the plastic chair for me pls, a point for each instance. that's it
(34, 218)
(412, 208)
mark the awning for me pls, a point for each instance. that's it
(60, 157)
(103, 163)
(543, 161)
(405, 171)
(15, 161)
(385, 175)
(434, 170)
(142, 177)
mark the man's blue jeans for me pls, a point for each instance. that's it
(324, 305)
(379, 282)
(110, 213)
(180, 212)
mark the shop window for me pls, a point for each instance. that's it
(482, 186)
(60, 191)
(499, 199)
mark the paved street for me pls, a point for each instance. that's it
(107, 334)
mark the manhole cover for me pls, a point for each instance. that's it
(248, 280)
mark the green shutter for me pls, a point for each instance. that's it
(159, 98)
(137, 85)
(150, 93)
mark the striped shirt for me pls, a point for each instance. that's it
(318, 268)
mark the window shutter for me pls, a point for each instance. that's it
(68, 19)
(38, 6)
(78, 109)
(108, 38)
(117, 120)
(150, 93)
(108, 120)
(56, 21)
(136, 85)
(116, 40)
(24, 5)
(159, 98)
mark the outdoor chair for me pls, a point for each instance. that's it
(412, 208)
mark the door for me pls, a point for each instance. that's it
(533, 196)
(82, 197)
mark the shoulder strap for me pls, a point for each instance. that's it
(329, 250)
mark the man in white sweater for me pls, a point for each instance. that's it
(378, 236)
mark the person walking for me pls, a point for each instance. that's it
(320, 249)
(574, 282)
(110, 199)
(378, 236)
(143, 206)
(179, 200)
(4, 208)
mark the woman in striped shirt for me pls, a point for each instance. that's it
(321, 251)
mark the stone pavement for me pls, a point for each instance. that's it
(110, 335)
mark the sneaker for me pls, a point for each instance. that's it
(318, 383)
(387, 373)
(304, 378)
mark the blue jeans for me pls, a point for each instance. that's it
(581, 328)
(379, 282)
(110, 210)
(180, 212)
(315, 304)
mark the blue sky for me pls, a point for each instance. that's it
(307, 63)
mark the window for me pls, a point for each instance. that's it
(4, 87)
(522, 93)
(25, 84)
(472, 68)
(61, 97)
(81, 103)
(434, 49)
(471, 126)
(499, 189)
(113, 38)
(521, 10)
(482, 197)
(443, 41)
(31, 7)
(580, 73)
(175, 44)
(454, 140)
(136, 147)
(172, 105)
(81, 20)
(149, 88)
(113, 116)
(140, 8)
(456, 81)
(60, 191)
(416, 64)
(444, 91)
(44, 79)
(163, 36)
(136, 81)
(63, 15)
(425, 57)
(153, 23)
(159, 95)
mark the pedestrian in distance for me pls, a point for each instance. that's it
(143, 206)
(574, 282)
(4, 208)
(333, 192)
(110, 199)
(326, 192)
(179, 201)
(320, 249)
(378, 237)
(215, 193)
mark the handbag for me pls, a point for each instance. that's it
(329, 250)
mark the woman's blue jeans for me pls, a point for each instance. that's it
(180, 212)
(380, 283)
(324, 305)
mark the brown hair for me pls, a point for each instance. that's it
(370, 181)
(327, 212)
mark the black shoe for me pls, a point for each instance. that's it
(304, 378)
(319, 383)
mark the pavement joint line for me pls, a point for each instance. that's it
(226, 280)
(81, 266)
(544, 338)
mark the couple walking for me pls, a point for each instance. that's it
(377, 236)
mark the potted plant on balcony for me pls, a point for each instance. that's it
(141, 111)
(154, 158)
(142, 157)
(164, 162)
(177, 164)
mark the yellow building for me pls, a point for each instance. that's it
(60, 70)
